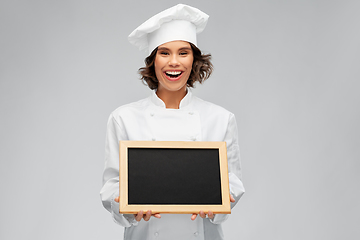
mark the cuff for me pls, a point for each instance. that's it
(126, 220)
(219, 218)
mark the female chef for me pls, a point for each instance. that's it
(170, 113)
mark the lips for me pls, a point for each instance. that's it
(173, 75)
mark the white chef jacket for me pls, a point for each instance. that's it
(150, 120)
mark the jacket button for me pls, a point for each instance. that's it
(153, 139)
(196, 234)
(191, 113)
(193, 138)
(151, 114)
(156, 234)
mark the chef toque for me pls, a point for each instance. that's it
(180, 22)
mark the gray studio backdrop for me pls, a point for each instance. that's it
(289, 70)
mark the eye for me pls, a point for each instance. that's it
(184, 53)
(164, 53)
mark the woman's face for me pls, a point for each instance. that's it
(173, 64)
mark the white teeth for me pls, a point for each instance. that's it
(173, 72)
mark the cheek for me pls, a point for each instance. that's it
(157, 74)
(190, 62)
(189, 65)
(157, 64)
(157, 69)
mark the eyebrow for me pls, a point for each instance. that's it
(183, 48)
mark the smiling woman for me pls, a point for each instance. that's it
(200, 71)
(173, 63)
(171, 113)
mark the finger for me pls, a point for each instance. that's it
(147, 216)
(193, 217)
(117, 199)
(211, 215)
(232, 199)
(202, 214)
(139, 216)
(157, 215)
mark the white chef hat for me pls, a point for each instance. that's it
(180, 22)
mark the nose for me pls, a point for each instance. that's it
(174, 62)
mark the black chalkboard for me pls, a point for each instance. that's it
(173, 177)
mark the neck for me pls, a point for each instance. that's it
(171, 99)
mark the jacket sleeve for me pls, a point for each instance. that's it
(110, 190)
(234, 166)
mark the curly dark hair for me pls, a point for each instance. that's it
(201, 68)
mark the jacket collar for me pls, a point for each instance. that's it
(158, 102)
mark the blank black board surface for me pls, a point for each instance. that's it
(173, 176)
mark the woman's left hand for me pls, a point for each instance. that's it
(202, 214)
(210, 214)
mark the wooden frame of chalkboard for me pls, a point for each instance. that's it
(173, 177)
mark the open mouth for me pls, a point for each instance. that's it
(173, 74)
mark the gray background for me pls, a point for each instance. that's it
(289, 70)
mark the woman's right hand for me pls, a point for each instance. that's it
(146, 216)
